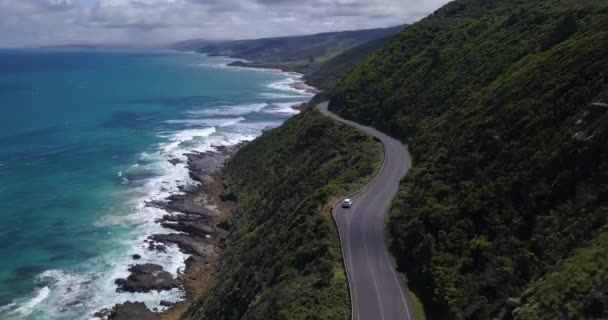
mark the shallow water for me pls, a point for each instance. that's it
(84, 142)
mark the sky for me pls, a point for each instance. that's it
(26, 23)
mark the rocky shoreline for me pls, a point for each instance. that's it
(198, 217)
(302, 85)
(299, 85)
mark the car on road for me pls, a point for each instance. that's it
(347, 203)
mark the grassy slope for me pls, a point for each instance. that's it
(508, 190)
(282, 259)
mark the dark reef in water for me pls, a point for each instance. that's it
(127, 311)
(145, 278)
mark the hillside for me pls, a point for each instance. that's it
(503, 104)
(285, 181)
(327, 74)
(296, 53)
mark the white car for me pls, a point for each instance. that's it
(347, 203)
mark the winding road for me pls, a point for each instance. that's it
(377, 290)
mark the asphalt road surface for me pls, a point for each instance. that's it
(378, 291)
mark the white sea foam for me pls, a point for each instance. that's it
(228, 110)
(217, 62)
(288, 85)
(26, 307)
(282, 108)
(274, 95)
(220, 122)
(72, 295)
(184, 136)
(259, 126)
(214, 65)
(79, 292)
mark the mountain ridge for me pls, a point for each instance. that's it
(303, 54)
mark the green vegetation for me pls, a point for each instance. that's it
(327, 74)
(298, 53)
(577, 287)
(503, 103)
(282, 259)
(418, 307)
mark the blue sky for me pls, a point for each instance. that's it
(156, 22)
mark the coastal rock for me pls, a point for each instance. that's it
(188, 203)
(192, 201)
(132, 311)
(190, 213)
(145, 278)
(182, 218)
(156, 204)
(156, 247)
(175, 161)
(166, 303)
(201, 165)
(188, 244)
(193, 261)
(103, 313)
(192, 228)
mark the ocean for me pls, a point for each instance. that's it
(85, 141)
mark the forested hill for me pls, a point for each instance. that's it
(503, 103)
(327, 74)
(296, 53)
(282, 259)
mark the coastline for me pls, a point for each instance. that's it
(196, 223)
(239, 63)
(201, 271)
(299, 85)
(200, 277)
(96, 229)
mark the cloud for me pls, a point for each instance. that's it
(152, 22)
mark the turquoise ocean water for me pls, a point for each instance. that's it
(84, 143)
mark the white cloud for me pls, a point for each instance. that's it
(149, 22)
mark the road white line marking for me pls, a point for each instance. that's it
(369, 264)
(389, 259)
(407, 307)
(353, 292)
